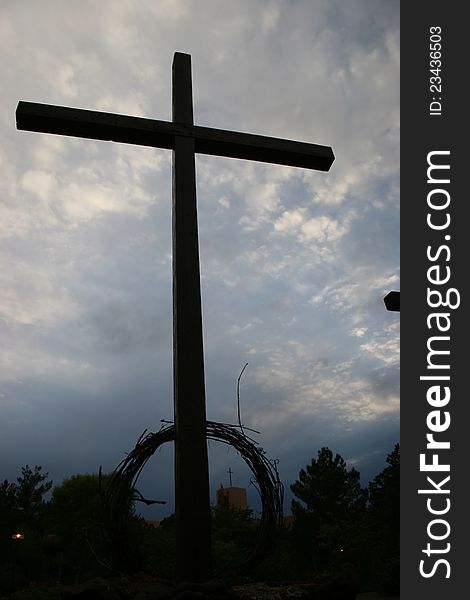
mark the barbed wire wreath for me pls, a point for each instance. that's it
(120, 492)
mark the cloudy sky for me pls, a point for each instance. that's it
(294, 263)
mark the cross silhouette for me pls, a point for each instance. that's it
(230, 473)
(392, 301)
(192, 503)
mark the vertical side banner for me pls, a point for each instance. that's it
(435, 434)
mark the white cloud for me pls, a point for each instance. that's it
(48, 152)
(224, 202)
(39, 183)
(65, 80)
(290, 221)
(343, 397)
(31, 295)
(359, 332)
(385, 346)
(322, 229)
(130, 104)
(262, 202)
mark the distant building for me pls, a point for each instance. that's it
(152, 522)
(288, 520)
(236, 497)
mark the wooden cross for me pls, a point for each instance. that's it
(192, 503)
(230, 473)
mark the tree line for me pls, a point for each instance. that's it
(339, 531)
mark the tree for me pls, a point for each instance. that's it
(384, 489)
(31, 488)
(327, 520)
(327, 488)
(76, 504)
(75, 518)
(8, 512)
(22, 510)
(8, 516)
(384, 523)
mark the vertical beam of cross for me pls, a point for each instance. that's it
(230, 473)
(192, 502)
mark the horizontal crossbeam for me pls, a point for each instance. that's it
(76, 122)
